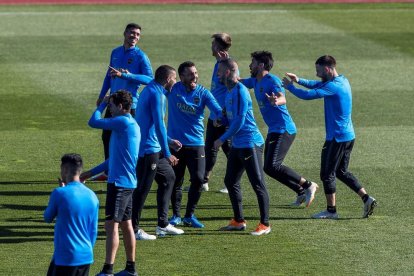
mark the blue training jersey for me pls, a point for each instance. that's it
(186, 113)
(277, 117)
(76, 210)
(337, 96)
(242, 126)
(123, 146)
(139, 67)
(150, 118)
(218, 90)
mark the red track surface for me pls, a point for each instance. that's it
(66, 2)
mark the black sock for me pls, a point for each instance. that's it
(306, 185)
(267, 224)
(365, 198)
(331, 209)
(108, 268)
(130, 266)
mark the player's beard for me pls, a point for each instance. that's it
(253, 73)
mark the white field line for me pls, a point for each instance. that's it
(59, 13)
(218, 11)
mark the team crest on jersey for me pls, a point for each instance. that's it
(261, 89)
(196, 100)
(130, 60)
(153, 166)
(230, 101)
(260, 104)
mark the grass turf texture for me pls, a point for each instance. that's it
(53, 60)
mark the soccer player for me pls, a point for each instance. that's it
(271, 99)
(219, 46)
(246, 150)
(121, 165)
(75, 208)
(186, 104)
(129, 67)
(340, 135)
(155, 159)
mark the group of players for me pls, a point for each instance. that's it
(140, 149)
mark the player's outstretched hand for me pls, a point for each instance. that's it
(286, 82)
(114, 72)
(278, 99)
(292, 77)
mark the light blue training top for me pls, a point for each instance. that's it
(277, 117)
(76, 209)
(337, 105)
(242, 129)
(123, 146)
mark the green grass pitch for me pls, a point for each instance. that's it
(52, 63)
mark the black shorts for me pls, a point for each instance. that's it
(59, 270)
(118, 203)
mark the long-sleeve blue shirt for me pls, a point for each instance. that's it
(139, 67)
(243, 129)
(123, 146)
(186, 113)
(218, 90)
(277, 117)
(150, 117)
(76, 209)
(337, 105)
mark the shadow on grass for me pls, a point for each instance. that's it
(24, 193)
(14, 234)
(248, 206)
(28, 182)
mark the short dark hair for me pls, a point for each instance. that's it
(122, 97)
(223, 40)
(132, 26)
(73, 162)
(264, 57)
(326, 60)
(163, 72)
(230, 64)
(185, 64)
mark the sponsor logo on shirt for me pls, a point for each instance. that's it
(186, 108)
